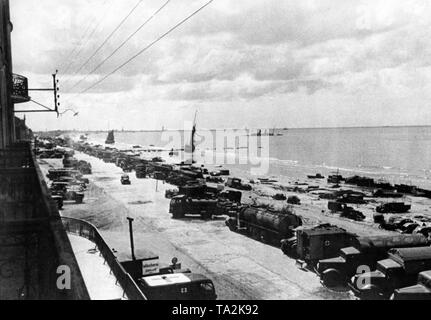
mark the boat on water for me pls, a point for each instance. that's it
(267, 133)
(191, 148)
(110, 139)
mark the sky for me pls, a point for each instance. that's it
(240, 64)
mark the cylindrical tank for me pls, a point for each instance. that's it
(386, 242)
(248, 214)
(275, 221)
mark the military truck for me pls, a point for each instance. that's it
(70, 162)
(67, 192)
(336, 272)
(84, 167)
(263, 224)
(311, 244)
(141, 171)
(178, 286)
(236, 183)
(399, 270)
(183, 177)
(393, 207)
(345, 211)
(183, 205)
(230, 195)
(420, 291)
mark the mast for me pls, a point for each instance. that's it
(193, 137)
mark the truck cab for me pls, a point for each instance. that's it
(181, 206)
(368, 251)
(420, 291)
(401, 269)
(178, 286)
(334, 272)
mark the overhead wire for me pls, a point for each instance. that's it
(109, 36)
(148, 46)
(87, 39)
(121, 45)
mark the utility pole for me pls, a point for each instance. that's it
(132, 243)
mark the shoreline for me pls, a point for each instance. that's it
(238, 265)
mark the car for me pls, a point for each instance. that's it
(125, 179)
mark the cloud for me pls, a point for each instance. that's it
(231, 52)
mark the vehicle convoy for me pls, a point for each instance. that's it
(183, 205)
(420, 291)
(336, 272)
(393, 207)
(311, 244)
(263, 224)
(399, 270)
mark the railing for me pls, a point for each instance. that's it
(19, 89)
(27, 210)
(86, 230)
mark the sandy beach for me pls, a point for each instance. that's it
(240, 267)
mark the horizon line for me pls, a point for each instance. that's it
(280, 128)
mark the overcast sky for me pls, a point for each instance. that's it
(242, 63)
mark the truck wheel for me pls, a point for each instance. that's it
(232, 228)
(371, 292)
(206, 215)
(331, 278)
(79, 199)
(266, 238)
(177, 215)
(288, 248)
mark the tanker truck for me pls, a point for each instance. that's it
(264, 225)
(399, 270)
(336, 272)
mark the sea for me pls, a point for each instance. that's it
(394, 154)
